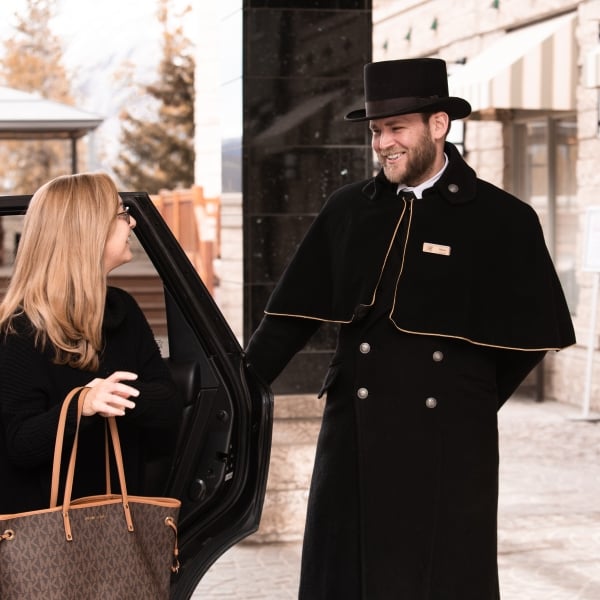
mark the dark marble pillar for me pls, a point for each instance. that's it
(302, 72)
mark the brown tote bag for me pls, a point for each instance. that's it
(105, 547)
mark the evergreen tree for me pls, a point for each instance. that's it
(32, 62)
(158, 152)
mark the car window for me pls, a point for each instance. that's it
(140, 278)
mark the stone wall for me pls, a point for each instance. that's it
(295, 430)
(569, 381)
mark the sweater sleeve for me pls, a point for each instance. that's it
(158, 406)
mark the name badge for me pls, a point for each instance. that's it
(436, 249)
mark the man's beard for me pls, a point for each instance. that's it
(419, 161)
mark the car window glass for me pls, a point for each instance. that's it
(141, 280)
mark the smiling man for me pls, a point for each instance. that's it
(446, 298)
(406, 146)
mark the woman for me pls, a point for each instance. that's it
(61, 326)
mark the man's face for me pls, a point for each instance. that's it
(406, 147)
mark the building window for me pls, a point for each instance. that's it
(544, 157)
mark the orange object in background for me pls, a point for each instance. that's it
(196, 223)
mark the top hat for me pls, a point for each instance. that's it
(413, 85)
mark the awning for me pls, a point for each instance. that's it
(25, 116)
(29, 116)
(532, 68)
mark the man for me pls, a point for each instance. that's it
(446, 298)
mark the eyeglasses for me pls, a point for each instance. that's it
(124, 214)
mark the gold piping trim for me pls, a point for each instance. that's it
(425, 333)
(276, 314)
(387, 254)
(410, 215)
(469, 340)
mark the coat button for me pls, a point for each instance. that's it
(365, 348)
(453, 188)
(431, 402)
(362, 393)
(438, 356)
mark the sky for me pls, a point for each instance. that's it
(98, 39)
(91, 30)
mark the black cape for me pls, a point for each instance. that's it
(475, 264)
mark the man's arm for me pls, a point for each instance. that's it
(275, 342)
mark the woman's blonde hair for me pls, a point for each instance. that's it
(59, 280)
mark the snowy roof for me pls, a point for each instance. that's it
(29, 116)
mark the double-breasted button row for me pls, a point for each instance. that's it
(437, 356)
(363, 392)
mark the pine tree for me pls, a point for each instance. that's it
(33, 63)
(158, 152)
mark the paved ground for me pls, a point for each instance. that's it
(549, 517)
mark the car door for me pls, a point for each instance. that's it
(219, 466)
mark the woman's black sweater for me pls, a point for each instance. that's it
(32, 389)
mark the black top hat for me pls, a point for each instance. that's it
(413, 85)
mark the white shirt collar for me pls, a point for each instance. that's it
(419, 189)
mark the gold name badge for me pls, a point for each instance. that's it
(436, 249)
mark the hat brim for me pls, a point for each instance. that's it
(456, 108)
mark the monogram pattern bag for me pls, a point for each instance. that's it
(105, 547)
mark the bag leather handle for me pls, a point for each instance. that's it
(58, 444)
(116, 445)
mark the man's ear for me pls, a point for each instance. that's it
(439, 124)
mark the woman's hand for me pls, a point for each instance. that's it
(109, 397)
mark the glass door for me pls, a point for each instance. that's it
(545, 153)
(544, 157)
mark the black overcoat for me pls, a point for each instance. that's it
(444, 305)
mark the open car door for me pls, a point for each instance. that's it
(219, 466)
